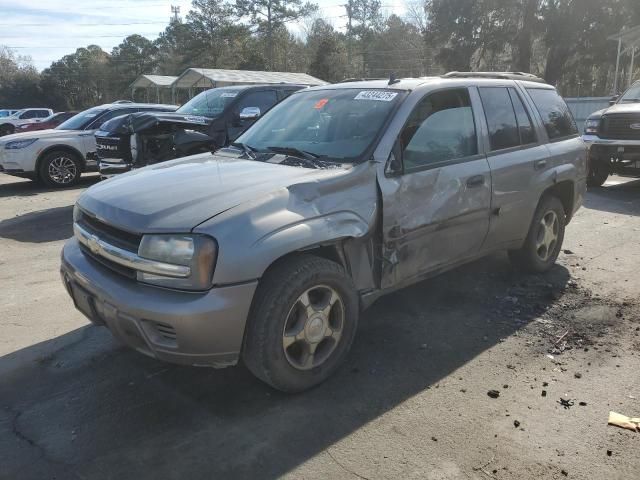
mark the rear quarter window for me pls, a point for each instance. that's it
(555, 113)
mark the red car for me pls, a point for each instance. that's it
(46, 123)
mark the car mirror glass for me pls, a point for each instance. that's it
(613, 99)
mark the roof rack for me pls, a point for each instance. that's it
(497, 75)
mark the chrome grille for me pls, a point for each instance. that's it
(115, 236)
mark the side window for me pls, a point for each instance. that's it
(28, 114)
(555, 114)
(440, 128)
(501, 118)
(109, 115)
(42, 114)
(527, 134)
(263, 100)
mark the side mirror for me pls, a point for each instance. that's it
(250, 113)
(614, 99)
(394, 162)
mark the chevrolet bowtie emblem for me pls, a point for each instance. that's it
(93, 244)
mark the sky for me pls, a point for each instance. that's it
(46, 30)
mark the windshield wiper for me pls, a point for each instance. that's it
(246, 149)
(631, 100)
(308, 157)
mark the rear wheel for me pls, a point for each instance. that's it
(598, 172)
(544, 240)
(302, 323)
(59, 169)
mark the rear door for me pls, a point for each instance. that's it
(436, 213)
(519, 161)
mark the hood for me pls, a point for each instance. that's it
(617, 108)
(139, 122)
(50, 133)
(177, 196)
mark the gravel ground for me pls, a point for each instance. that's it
(558, 351)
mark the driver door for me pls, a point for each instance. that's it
(436, 208)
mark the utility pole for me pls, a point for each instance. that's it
(175, 10)
(349, 7)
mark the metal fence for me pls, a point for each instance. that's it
(585, 106)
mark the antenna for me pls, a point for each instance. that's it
(393, 79)
(175, 10)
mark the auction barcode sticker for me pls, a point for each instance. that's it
(378, 95)
(228, 95)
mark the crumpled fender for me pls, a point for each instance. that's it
(255, 234)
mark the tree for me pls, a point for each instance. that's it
(269, 15)
(328, 52)
(135, 56)
(216, 34)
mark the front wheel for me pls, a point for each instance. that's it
(6, 130)
(59, 169)
(302, 323)
(598, 173)
(544, 240)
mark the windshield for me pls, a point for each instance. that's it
(210, 103)
(4, 113)
(337, 124)
(17, 114)
(81, 120)
(632, 95)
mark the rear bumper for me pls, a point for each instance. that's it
(204, 328)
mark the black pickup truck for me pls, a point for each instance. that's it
(613, 137)
(209, 121)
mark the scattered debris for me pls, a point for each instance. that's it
(567, 251)
(567, 403)
(623, 421)
(565, 473)
(583, 404)
(544, 393)
(516, 423)
(434, 439)
(609, 453)
(493, 393)
(577, 375)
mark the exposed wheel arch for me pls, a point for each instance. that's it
(8, 128)
(565, 192)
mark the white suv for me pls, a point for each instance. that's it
(58, 157)
(26, 115)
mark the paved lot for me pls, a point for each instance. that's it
(411, 402)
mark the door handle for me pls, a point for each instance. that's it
(475, 181)
(540, 164)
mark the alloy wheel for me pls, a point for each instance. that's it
(62, 170)
(547, 235)
(313, 327)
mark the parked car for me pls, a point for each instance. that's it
(268, 249)
(207, 122)
(58, 156)
(613, 137)
(6, 113)
(8, 125)
(46, 123)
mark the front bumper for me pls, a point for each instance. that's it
(596, 140)
(18, 161)
(201, 328)
(110, 168)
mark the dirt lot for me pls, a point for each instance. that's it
(411, 402)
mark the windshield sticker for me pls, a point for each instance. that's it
(321, 103)
(229, 95)
(376, 95)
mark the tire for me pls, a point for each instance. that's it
(598, 173)
(59, 169)
(7, 129)
(278, 317)
(533, 257)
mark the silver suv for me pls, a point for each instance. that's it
(269, 249)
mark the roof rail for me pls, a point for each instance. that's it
(497, 75)
(349, 80)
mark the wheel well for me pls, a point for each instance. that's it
(332, 252)
(59, 148)
(7, 125)
(564, 191)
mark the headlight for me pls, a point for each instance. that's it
(15, 145)
(198, 252)
(592, 126)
